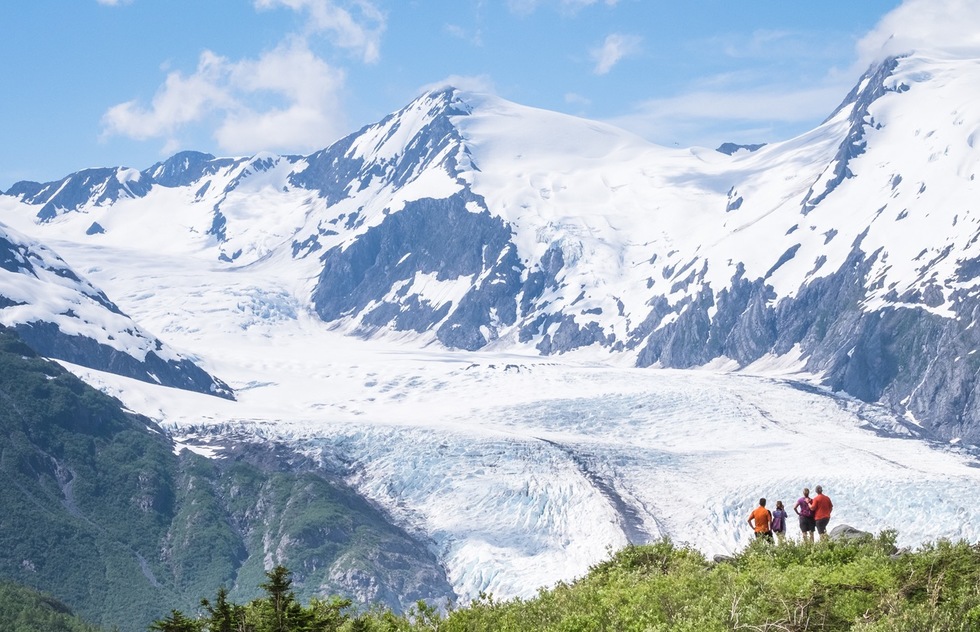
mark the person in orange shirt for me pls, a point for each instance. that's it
(822, 507)
(760, 519)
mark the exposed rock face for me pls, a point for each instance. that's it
(906, 357)
(868, 90)
(103, 186)
(382, 277)
(281, 507)
(48, 340)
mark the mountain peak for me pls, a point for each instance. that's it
(446, 97)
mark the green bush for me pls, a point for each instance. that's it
(660, 587)
(828, 586)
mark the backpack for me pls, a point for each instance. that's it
(777, 520)
(805, 510)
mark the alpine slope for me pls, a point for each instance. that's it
(530, 337)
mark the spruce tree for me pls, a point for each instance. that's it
(223, 614)
(285, 613)
(176, 622)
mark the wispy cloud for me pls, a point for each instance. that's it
(526, 7)
(924, 25)
(113, 3)
(747, 106)
(472, 37)
(286, 99)
(698, 117)
(470, 83)
(770, 85)
(613, 49)
(773, 45)
(356, 26)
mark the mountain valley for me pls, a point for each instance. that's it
(480, 343)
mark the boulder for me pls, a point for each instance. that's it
(847, 533)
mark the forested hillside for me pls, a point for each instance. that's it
(99, 511)
(26, 610)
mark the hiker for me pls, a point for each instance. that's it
(760, 519)
(805, 512)
(779, 522)
(822, 507)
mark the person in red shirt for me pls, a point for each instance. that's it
(760, 519)
(822, 507)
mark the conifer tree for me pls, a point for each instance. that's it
(223, 614)
(285, 613)
(176, 622)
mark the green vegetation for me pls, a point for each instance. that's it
(830, 586)
(277, 610)
(862, 586)
(86, 490)
(26, 610)
(99, 512)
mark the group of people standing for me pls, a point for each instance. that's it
(813, 513)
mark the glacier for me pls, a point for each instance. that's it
(521, 471)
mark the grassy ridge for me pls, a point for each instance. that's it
(864, 586)
(829, 586)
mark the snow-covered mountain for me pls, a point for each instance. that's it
(61, 315)
(474, 223)
(461, 310)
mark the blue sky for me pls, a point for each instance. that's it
(128, 82)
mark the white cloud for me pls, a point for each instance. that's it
(474, 38)
(179, 101)
(469, 83)
(615, 47)
(357, 26)
(301, 111)
(699, 117)
(526, 7)
(925, 26)
(113, 3)
(287, 99)
(312, 116)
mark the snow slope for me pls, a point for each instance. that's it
(62, 315)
